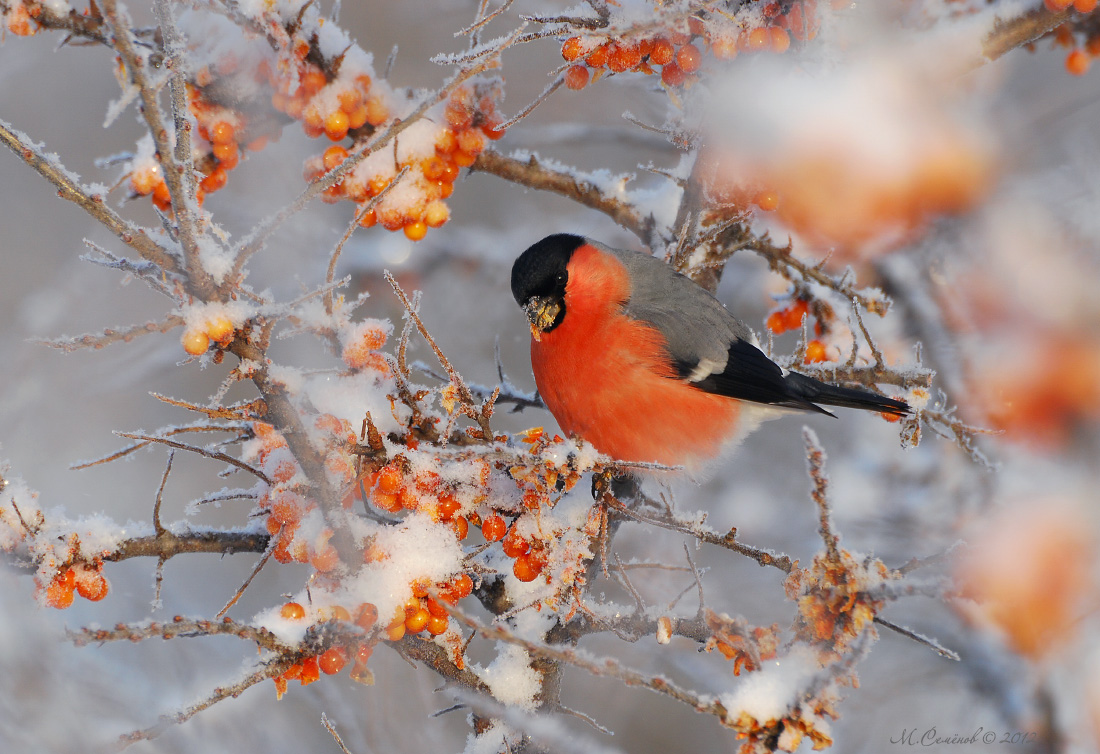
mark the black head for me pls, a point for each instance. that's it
(538, 281)
(541, 270)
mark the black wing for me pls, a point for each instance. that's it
(749, 375)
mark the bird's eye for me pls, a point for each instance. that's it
(561, 277)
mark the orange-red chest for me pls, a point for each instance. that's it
(608, 378)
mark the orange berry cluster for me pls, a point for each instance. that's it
(196, 338)
(393, 489)
(679, 54)
(221, 128)
(85, 579)
(287, 509)
(362, 345)
(423, 612)
(1079, 58)
(744, 647)
(334, 659)
(19, 19)
(789, 318)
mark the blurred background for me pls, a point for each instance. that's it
(1009, 319)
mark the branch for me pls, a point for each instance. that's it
(168, 544)
(110, 336)
(532, 174)
(68, 188)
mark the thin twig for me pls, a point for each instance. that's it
(68, 189)
(158, 528)
(815, 458)
(109, 335)
(216, 455)
(258, 567)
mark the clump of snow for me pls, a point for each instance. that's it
(511, 678)
(773, 691)
(416, 548)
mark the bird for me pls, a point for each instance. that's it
(646, 365)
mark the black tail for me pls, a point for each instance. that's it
(813, 391)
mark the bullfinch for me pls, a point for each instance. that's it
(644, 364)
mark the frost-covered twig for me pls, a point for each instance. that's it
(271, 670)
(69, 188)
(183, 203)
(815, 458)
(177, 628)
(216, 455)
(533, 174)
(109, 336)
(729, 541)
(259, 235)
(480, 414)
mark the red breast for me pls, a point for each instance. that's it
(608, 378)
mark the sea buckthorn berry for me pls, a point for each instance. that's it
(461, 527)
(689, 58)
(759, 39)
(357, 118)
(572, 48)
(673, 75)
(623, 57)
(349, 99)
(766, 200)
(436, 214)
(490, 127)
(389, 479)
(471, 141)
(433, 168)
(724, 47)
(367, 616)
(418, 621)
(1077, 62)
(448, 507)
(222, 132)
(195, 341)
(336, 125)
(313, 81)
(91, 585)
(1084, 6)
(437, 624)
(696, 26)
(161, 198)
(377, 112)
(332, 661)
(436, 609)
(333, 156)
(576, 77)
(59, 594)
(215, 181)
(514, 545)
(219, 328)
(310, 671)
(363, 653)
(446, 142)
(527, 567)
(494, 528)
(663, 52)
(458, 116)
(460, 587)
(598, 57)
(463, 159)
(1057, 5)
(325, 560)
(778, 39)
(815, 352)
(416, 231)
(292, 611)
